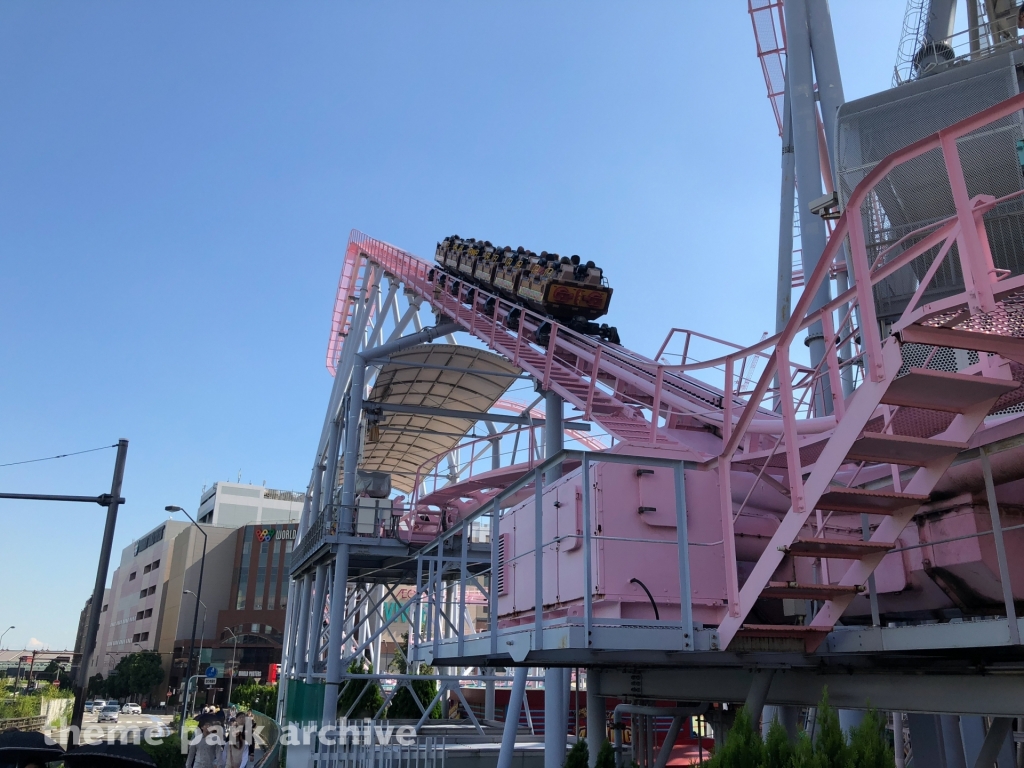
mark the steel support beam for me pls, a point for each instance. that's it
(554, 435)
(977, 694)
(515, 706)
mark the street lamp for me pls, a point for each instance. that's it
(202, 637)
(195, 616)
(4, 633)
(231, 677)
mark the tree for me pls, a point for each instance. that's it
(253, 696)
(55, 673)
(135, 674)
(403, 704)
(579, 755)
(778, 752)
(97, 686)
(829, 743)
(869, 744)
(352, 693)
(606, 755)
(743, 747)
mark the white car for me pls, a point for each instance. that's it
(108, 714)
(131, 709)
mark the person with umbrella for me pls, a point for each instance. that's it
(28, 748)
(108, 756)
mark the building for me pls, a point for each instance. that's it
(151, 602)
(232, 505)
(246, 642)
(131, 611)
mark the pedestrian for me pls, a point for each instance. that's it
(236, 751)
(206, 752)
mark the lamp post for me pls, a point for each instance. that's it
(195, 616)
(202, 637)
(231, 677)
(4, 633)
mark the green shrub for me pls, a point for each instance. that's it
(252, 695)
(368, 703)
(778, 752)
(606, 755)
(167, 754)
(403, 705)
(579, 755)
(830, 748)
(869, 744)
(803, 752)
(743, 747)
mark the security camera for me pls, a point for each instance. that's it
(826, 206)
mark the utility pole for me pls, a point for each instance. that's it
(82, 682)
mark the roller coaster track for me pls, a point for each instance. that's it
(607, 383)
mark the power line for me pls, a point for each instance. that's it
(59, 456)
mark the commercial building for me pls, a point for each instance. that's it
(231, 505)
(152, 600)
(131, 612)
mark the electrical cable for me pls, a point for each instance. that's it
(59, 456)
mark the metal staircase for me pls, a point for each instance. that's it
(918, 417)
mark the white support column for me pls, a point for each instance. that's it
(316, 618)
(554, 725)
(515, 706)
(804, 116)
(489, 695)
(596, 716)
(300, 644)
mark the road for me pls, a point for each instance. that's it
(127, 727)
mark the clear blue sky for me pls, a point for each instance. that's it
(178, 180)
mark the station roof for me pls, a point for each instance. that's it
(443, 376)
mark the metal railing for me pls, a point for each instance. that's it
(446, 559)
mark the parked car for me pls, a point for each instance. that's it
(131, 709)
(108, 713)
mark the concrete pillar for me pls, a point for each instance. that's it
(596, 716)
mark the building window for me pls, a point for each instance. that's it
(144, 637)
(103, 609)
(155, 565)
(243, 571)
(132, 575)
(149, 612)
(272, 597)
(136, 638)
(140, 615)
(261, 577)
(143, 593)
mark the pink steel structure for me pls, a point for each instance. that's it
(919, 419)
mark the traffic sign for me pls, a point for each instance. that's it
(211, 672)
